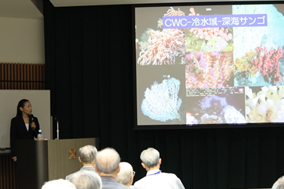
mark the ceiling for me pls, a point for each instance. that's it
(19, 9)
(33, 8)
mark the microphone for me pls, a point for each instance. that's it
(32, 119)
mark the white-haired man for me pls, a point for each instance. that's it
(279, 184)
(86, 156)
(155, 178)
(86, 180)
(107, 165)
(126, 174)
(58, 184)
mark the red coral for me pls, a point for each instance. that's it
(268, 63)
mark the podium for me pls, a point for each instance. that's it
(41, 161)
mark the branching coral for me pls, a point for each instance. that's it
(267, 105)
(268, 63)
(246, 64)
(173, 12)
(208, 33)
(207, 70)
(162, 47)
(208, 39)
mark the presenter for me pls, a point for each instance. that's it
(23, 127)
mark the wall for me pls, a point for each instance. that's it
(21, 40)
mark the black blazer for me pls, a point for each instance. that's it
(18, 131)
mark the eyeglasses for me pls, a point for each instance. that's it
(133, 173)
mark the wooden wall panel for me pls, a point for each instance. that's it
(7, 172)
(22, 76)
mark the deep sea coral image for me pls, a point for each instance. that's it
(166, 47)
(162, 47)
(213, 110)
(267, 63)
(264, 104)
(208, 39)
(162, 102)
(209, 69)
(258, 51)
(259, 67)
(169, 46)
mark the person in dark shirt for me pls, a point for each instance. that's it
(23, 127)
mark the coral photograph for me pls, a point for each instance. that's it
(209, 69)
(258, 51)
(226, 108)
(161, 95)
(208, 39)
(158, 46)
(162, 102)
(265, 104)
(261, 67)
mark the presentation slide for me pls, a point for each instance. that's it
(215, 64)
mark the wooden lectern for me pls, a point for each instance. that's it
(41, 161)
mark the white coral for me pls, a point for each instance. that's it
(232, 115)
(265, 106)
(161, 102)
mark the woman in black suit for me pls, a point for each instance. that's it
(23, 127)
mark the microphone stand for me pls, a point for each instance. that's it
(57, 127)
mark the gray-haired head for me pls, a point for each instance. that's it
(58, 184)
(87, 154)
(107, 160)
(150, 157)
(279, 184)
(86, 180)
(125, 174)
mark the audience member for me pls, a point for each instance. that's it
(58, 184)
(86, 180)
(279, 184)
(87, 158)
(126, 174)
(107, 165)
(155, 178)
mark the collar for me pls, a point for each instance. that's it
(153, 172)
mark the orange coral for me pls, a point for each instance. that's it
(163, 47)
(208, 33)
(173, 12)
(214, 71)
(246, 63)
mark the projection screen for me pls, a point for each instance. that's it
(209, 65)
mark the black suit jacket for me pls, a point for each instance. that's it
(18, 131)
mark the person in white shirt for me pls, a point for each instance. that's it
(155, 178)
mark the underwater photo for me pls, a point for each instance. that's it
(258, 51)
(209, 69)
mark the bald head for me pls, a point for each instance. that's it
(125, 175)
(107, 161)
